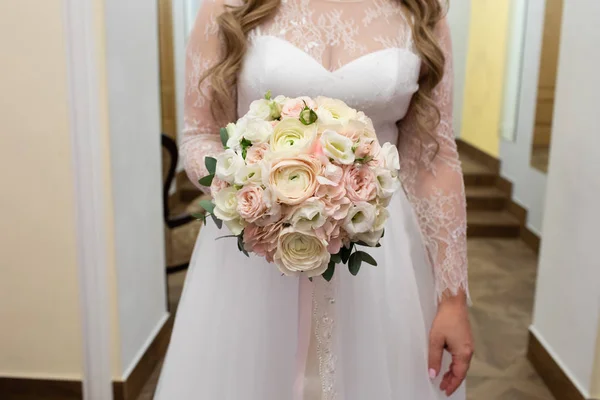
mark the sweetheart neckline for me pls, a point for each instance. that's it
(343, 67)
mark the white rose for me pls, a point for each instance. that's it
(370, 238)
(226, 204)
(236, 226)
(291, 137)
(234, 131)
(360, 218)
(260, 109)
(301, 252)
(337, 146)
(228, 163)
(309, 215)
(252, 173)
(332, 111)
(257, 131)
(390, 157)
(387, 182)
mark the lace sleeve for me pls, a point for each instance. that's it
(434, 184)
(201, 132)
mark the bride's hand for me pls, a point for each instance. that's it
(451, 330)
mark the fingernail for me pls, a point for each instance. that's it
(432, 373)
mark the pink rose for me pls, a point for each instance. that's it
(293, 107)
(250, 203)
(333, 233)
(256, 153)
(332, 191)
(367, 147)
(262, 240)
(360, 183)
(217, 185)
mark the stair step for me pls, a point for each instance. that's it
(492, 224)
(485, 198)
(187, 191)
(475, 173)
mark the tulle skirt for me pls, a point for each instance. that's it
(245, 332)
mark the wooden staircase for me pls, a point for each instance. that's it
(487, 204)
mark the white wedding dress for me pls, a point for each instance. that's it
(245, 332)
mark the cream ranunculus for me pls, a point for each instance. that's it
(301, 252)
(337, 147)
(251, 173)
(389, 155)
(332, 110)
(360, 218)
(226, 204)
(228, 163)
(309, 215)
(260, 109)
(291, 137)
(387, 182)
(257, 131)
(293, 180)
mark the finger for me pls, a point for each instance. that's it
(458, 371)
(446, 381)
(436, 351)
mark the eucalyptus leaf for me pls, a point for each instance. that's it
(207, 180)
(201, 216)
(336, 258)
(224, 136)
(345, 254)
(211, 164)
(354, 263)
(207, 205)
(366, 257)
(328, 274)
(217, 221)
(226, 236)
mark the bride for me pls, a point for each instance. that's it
(398, 331)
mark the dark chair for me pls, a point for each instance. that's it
(181, 228)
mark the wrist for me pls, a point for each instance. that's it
(458, 300)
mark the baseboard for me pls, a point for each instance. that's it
(40, 389)
(132, 386)
(551, 373)
(478, 155)
(531, 239)
(129, 389)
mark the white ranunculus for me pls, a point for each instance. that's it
(387, 182)
(301, 253)
(226, 204)
(332, 111)
(228, 163)
(360, 218)
(260, 109)
(370, 238)
(251, 173)
(390, 157)
(236, 226)
(257, 131)
(291, 138)
(337, 146)
(309, 215)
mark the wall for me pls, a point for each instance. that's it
(529, 183)
(568, 324)
(135, 154)
(485, 71)
(458, 19)
(39, 316)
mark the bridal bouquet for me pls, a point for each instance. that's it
(303, 182)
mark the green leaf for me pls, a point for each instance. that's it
(201, 216)
(245, 144)
(345, 253)
(366, 257)
(382, 234)
(211, 164)
(207, 180)
(336, 258)
(226, 236)
(240, 244)
(308, 116)
(354, 263)
(328, 274)
(268, 95)
(217, 221)
(224, 136)
(207, 205)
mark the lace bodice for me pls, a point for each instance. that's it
(361, 52)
